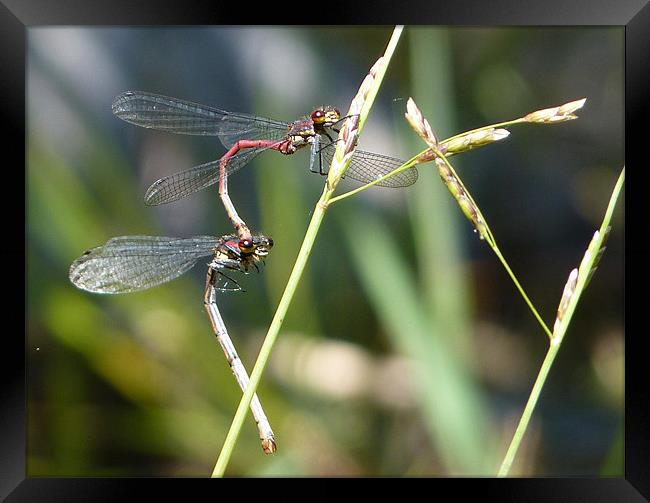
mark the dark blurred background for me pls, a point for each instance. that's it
(407, 349)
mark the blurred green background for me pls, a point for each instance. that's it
(407, 350)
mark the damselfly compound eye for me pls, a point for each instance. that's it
(269, 242)
(246, 245)
(318, 116)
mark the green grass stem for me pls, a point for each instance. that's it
(584, 274)
(296, 273)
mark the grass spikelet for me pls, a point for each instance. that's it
(556, 114)
(473, 140)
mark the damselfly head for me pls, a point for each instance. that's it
(326, 116)
(253, 253)
(263, 245)
(258, 245)
(241, 254)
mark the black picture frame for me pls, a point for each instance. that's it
(17, 16)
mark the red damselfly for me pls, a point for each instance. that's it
(245, 136)
(133, 263)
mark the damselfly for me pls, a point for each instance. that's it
(132, 263)
(245, 136)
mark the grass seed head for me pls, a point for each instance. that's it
(349, 130)
(467, 205)
(419, 124)
(473, 140)
(591, 250)
(567, 294)
(556, 114)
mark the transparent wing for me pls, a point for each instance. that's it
(224, 283)
(174, 187)
(366, 167)
(131, 263)
(185, 117)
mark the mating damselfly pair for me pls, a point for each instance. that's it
(132, 263)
